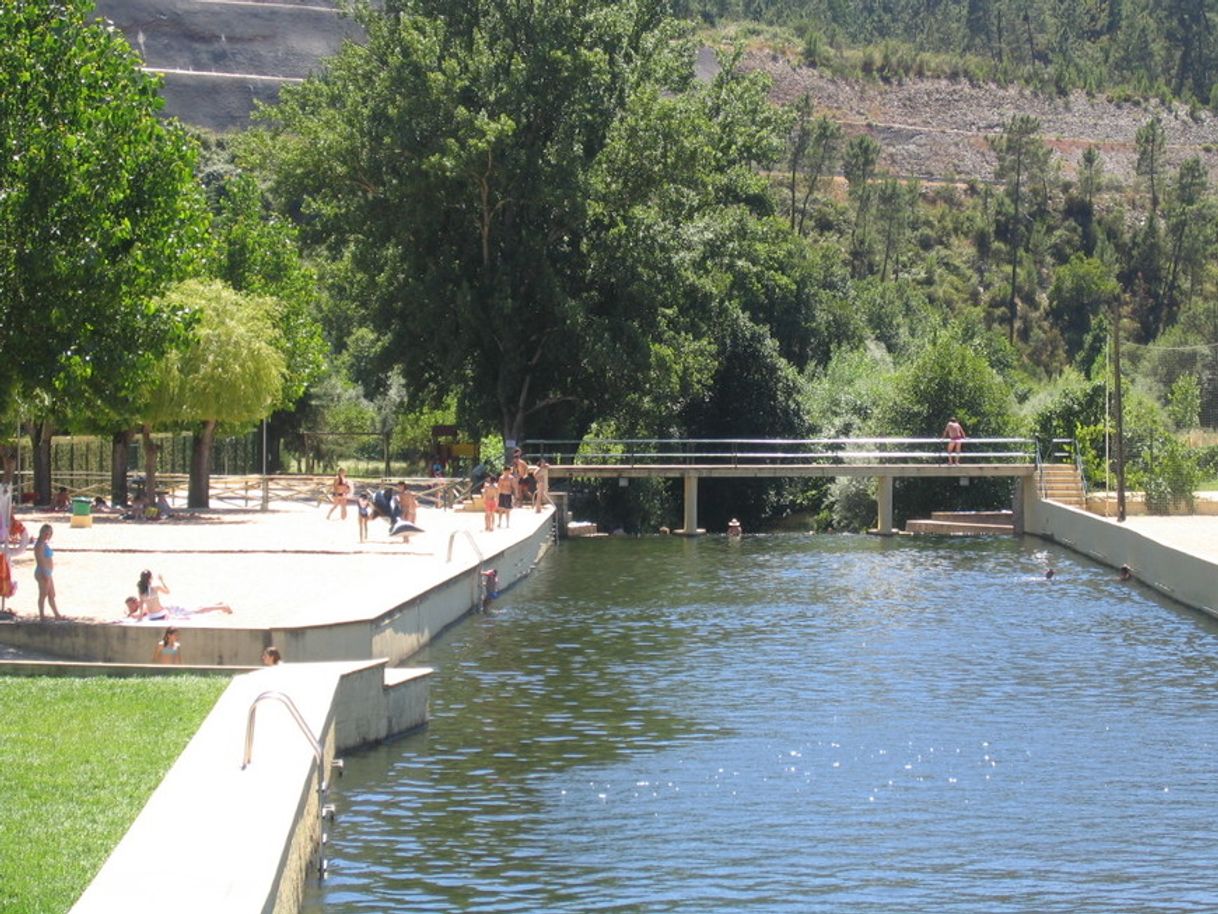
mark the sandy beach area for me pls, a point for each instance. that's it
(286, 566)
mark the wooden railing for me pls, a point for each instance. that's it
(253, 490)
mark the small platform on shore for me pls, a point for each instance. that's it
(965, 523)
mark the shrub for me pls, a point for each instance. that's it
(852, 503)
(815, 51)
(1090, 439)
(1207, 460)
(1170, 476)
(1184, 402)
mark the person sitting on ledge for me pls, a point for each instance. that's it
(62, 500)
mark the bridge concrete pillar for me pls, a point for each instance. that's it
(690, 527)
(883, 499)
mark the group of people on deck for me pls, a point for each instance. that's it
(516, 487)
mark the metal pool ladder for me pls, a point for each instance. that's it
(324, 809)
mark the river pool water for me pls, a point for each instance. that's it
(804, 724)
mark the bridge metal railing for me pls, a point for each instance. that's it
(737, 452)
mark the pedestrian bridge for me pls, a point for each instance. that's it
(885, 459)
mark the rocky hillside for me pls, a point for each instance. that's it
(937, 130)
(218, 58)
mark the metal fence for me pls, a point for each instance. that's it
(771, 451)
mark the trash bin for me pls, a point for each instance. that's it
(82, 512)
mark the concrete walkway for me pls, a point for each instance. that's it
(287, 566)
(1194, 534)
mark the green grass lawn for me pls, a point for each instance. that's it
(78, 760)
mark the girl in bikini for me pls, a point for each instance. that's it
(44, 568)
(168, 649)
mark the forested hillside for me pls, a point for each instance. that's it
(575, 218)
(1140, 47)
(936, 129)
(549, 227)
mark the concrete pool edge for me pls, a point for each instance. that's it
(1183, 576)
(216, 838)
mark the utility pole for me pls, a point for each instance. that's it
(1120, 413)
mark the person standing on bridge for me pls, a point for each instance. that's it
(954, 433)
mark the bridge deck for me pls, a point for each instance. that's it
(757, 470)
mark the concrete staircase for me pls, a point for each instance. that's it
(1062, 483)
(964, 523)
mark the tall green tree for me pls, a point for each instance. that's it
(256, 250)
(231, 370)
(1189, 221)
(526, 193)
(896, 206)
(859, 163)
(448, 158)
(813, 152)
(1082, 289)
(99, 210)
(1023, 166)
(1151, 142)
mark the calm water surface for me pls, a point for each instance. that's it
(796, 723)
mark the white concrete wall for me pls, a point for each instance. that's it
(1188, 578)
(395, 634)
(375, 703)
(216, 837)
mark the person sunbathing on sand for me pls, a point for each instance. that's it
(172, 612)
(149, 606)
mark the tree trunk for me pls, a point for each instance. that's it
(278, 429)
(151, 450)
(40, 440)
(119, 443)
(10, 467)
(199, 495)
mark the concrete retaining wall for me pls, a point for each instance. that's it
(1180, 575)
(219, 837)
(395, 634)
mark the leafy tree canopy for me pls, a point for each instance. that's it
(531, 197)
(98, 207)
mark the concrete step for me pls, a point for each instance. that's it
(974, 517)
(954, 528)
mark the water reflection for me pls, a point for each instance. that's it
(799, 723)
